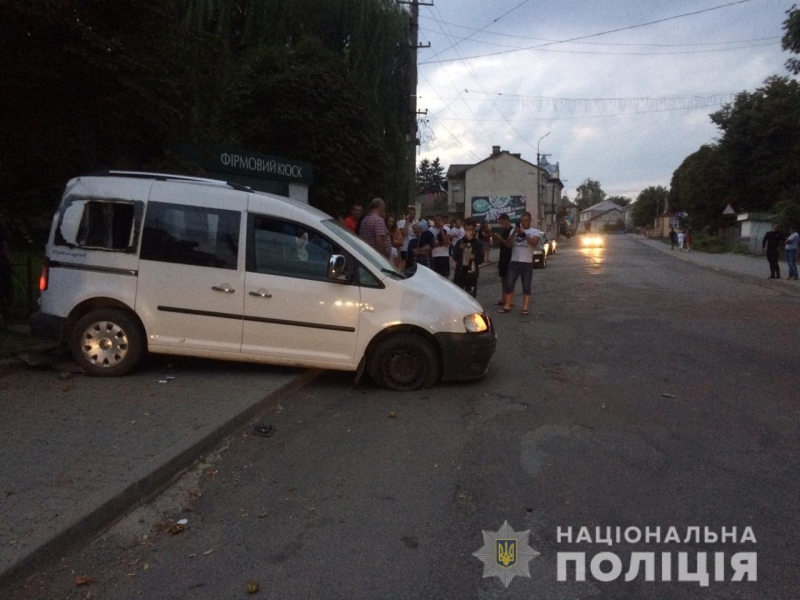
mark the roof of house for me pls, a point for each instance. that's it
(605, 206)
(567, 203)
(454, 171)
(457, 171)
(605, 212)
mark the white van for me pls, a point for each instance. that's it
(142, 262)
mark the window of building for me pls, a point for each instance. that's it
(191, 235)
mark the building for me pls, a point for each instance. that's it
(276, 175)
(501, 183)
(595, 218)
(665, 222)
(752, 228)
(570, 213)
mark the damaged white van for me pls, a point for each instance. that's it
(142, 262)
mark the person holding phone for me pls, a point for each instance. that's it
(523, 239)
(468, 255)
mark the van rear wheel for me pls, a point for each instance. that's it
(107, 342)
(404, 362)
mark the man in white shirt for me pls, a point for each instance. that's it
(406, 226)
(791, 252)
(522, 241)
(440, 255)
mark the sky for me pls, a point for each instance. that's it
(623, 108)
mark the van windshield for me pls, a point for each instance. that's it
(375, 258)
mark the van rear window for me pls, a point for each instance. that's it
(99, 224)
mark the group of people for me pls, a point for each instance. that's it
(773, 240)
(459, 247)
(680, 238)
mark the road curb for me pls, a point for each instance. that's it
(761, 281)
(148, 486)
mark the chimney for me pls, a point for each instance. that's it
(495, 150)
(517, 154)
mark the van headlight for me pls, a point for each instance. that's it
(475, 323)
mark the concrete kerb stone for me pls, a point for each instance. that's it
(761, 281)
(148, 486)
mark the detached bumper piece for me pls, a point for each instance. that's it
(466, 355)
(46, 327)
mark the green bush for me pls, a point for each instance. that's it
(712, 244)
(741, 249)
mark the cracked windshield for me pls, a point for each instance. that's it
(400, 300)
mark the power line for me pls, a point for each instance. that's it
(480, 84)
(622, 114)
(536, 39)
(583, 37)
(773, 41)
(478, 158)
(454, 44)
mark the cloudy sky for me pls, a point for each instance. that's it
(624, 108)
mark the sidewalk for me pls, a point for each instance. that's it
(79, 452)
(736, 264)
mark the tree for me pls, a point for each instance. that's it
(430, 177)
(760, 143)
(589, 194)
(791, 38)
(649, 203)
(700, 187)
(621, 200)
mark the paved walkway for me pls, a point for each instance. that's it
(78, 452)
(738, 264)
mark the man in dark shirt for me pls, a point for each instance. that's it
(468, 255)
(773, 240)
(505, 253)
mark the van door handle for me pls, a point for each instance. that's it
(223, 288)
(261, 294)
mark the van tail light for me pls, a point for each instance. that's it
(45, 277)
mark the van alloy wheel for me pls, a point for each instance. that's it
(108, 342)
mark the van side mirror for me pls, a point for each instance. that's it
(336, 268)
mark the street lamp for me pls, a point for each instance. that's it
(539, 170)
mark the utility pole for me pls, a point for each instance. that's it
(411, 136)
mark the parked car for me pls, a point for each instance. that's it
(140, 262)
(540, 256)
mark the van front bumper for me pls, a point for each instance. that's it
(466, 355)
(46, 327)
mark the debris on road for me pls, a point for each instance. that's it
(252, 587)
(263, 430)
(82, 580)
(667, 395)
(392, 415)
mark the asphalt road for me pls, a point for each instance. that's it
(641, 391)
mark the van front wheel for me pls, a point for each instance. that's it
(107, 342)
(405, 362)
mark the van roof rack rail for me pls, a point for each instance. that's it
(166, 177)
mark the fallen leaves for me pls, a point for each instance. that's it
(82, 580)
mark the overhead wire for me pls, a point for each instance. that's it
(599, 33)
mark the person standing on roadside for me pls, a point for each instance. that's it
(673, 238)
(373, 227)
(440, 255)
(425, 242)
(406, 226)
(486, 239)
(773, 240)
(681, 240)
(524, 240)
(791, 251)
(504, 239)
(351, 220)
(468, 254)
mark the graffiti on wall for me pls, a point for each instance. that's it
(488, 208)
